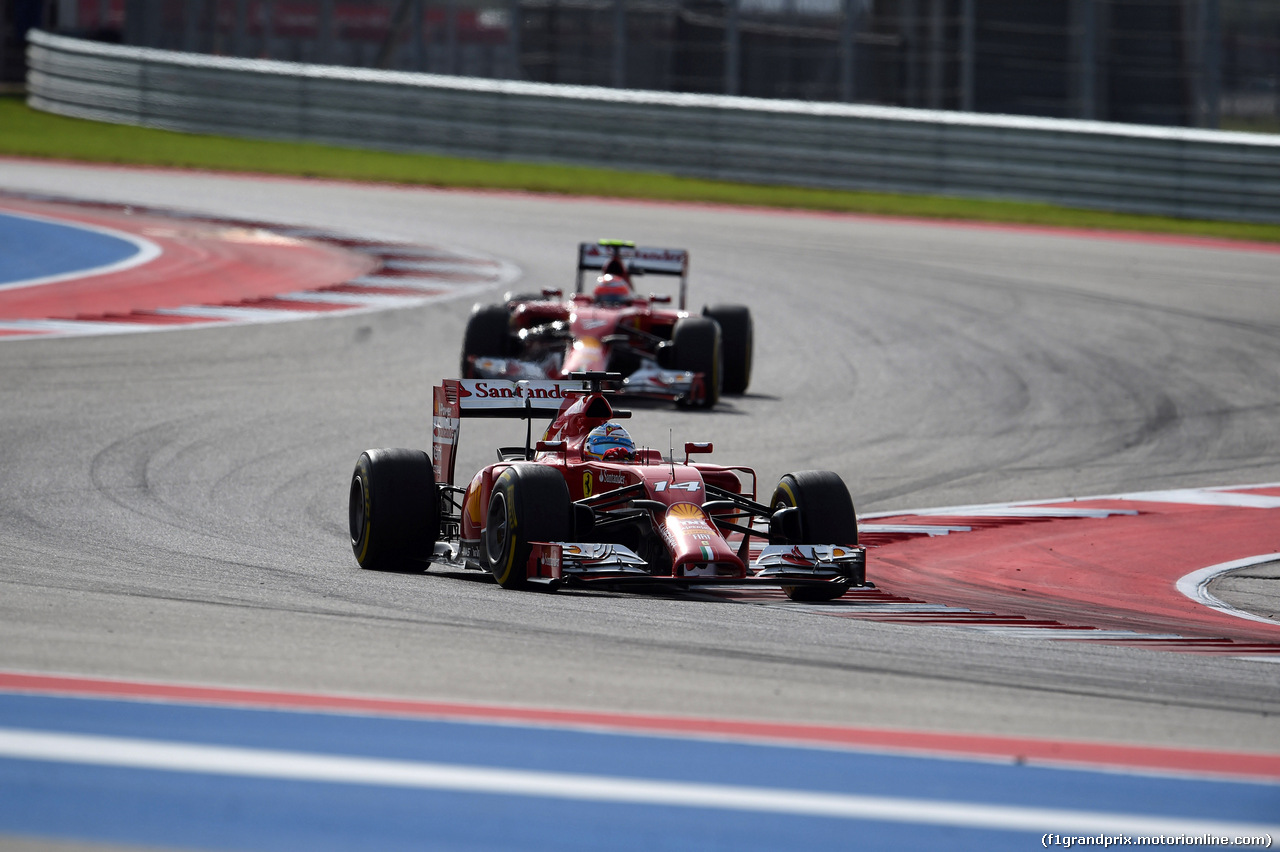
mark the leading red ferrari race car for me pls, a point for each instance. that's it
(662, 352)
(585, 506)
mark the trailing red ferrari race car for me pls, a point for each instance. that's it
(663, 353)
(585, 506)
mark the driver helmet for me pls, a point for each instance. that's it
(609, 442)
(611, 290)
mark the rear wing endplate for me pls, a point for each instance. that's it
(640, 260)
(454, 399)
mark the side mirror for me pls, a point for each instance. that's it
(656, 299)
(700, 447)
(552, 293)
(549, 447)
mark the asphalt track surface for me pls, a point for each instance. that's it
(174, 504)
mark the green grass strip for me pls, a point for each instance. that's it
(30, 133)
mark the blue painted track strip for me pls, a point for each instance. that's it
(267, 779)
(34, 248)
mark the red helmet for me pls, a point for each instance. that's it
(611, 290)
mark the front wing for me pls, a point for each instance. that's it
(586, 564)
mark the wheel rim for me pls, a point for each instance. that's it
(496, 531)
(356, 509)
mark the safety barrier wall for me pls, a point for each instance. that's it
(1168, 171)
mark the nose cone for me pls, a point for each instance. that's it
(698, 549)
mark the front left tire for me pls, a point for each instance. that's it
(696, 347)
(393, 510)
(487, 335)
(528, 503)
(827, 516)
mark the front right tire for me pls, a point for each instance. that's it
(737, 336)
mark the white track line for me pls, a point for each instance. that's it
(1196, 586)
(913, 529)
(299, 766)
(68, 328)
(1192, 495)
(1208, 497)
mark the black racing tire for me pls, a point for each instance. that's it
(827, 516)
(394, 510)
(737, 340)
(487, 335)
(623, 360)
(529, 502)
(696, 346)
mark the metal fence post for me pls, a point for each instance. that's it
(192, 13)
(619, 44)
(968, 57)
(1210, 64)
(67, 17)
(731, 48)
(240, 33)
(911, 54)
(419, 36)
(326, 34)
(849, 24)
(1085, 32)
(266, 11)
(936, 58)
(515, 22)
(451, 37)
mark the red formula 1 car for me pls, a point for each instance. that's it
(663, 353)
(585, 506)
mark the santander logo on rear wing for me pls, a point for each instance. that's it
(643, 260)
(454, 399)
(654, 261)
(500, 398)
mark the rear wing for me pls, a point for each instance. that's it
(454, 399)
(639, 260)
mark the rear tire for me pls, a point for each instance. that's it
(393, 510)
(737, 336)
(696, 347)
(487, 335)
(528, 503)
(826, 517)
